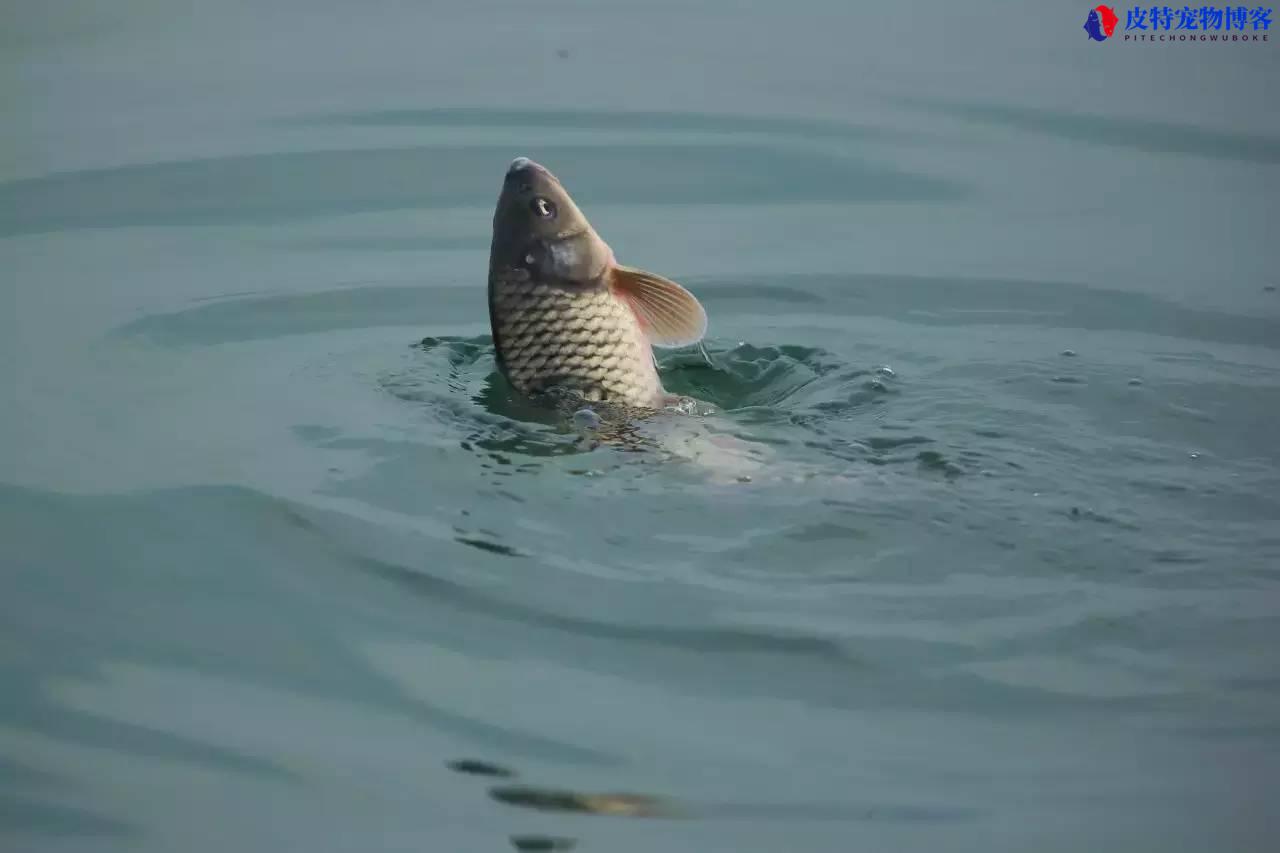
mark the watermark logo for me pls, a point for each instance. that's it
(1101, 23)
(1188, 24)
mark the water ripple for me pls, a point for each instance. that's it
(1142, 135)
(310, 184)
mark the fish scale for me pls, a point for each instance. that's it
(577, 337)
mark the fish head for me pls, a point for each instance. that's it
(538, 228)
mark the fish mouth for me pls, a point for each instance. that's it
(525, 166)
(521, 164)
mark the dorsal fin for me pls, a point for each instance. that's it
(670, 315)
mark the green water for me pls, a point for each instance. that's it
(981, 552)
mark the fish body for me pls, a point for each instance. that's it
(564, 314)
(575, 338)
(1093, 26)
(1101, 23)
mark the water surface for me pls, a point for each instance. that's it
(980, 552)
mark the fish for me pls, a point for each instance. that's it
(1100, 23)
(1109, 19)
(566, 317)
(575, 329)
(1093, 26)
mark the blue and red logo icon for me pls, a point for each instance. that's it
(1235, 24)
(1101, 23)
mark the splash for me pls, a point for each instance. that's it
(739, 414)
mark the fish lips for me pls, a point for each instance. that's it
(528, 173)
(524, 164)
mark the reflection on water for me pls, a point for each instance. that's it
(616, 805)
(542, 842)
(480, 768)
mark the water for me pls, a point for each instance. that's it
(980, 554)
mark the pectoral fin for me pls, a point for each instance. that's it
(670, 315)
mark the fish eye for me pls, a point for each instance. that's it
(542, 208)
